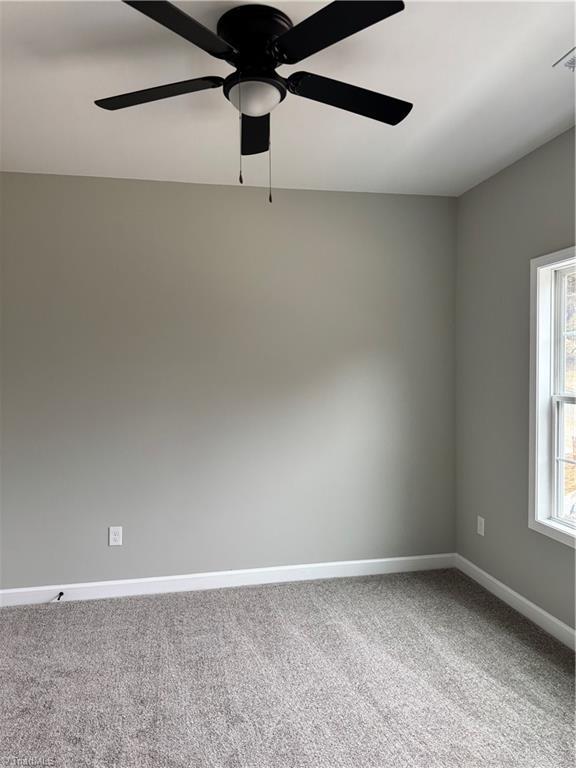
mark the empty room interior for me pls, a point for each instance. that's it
(287, 384)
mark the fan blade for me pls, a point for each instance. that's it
(331, 24)
(179, 22)
(159, 92)
(386, 109)
(255, 134)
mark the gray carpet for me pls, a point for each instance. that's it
(421, 670)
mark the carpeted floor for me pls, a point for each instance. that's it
(422, 670)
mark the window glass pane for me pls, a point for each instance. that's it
(569, 346)
(566, 464)
(568, 432)
(567, 491)
(571, 301)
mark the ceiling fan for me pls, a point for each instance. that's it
(255, 40)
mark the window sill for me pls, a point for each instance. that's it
(555, 530)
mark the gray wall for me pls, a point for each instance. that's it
(524, 211)
(237, 384)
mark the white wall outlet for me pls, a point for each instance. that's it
(115, 536)
(480, 526)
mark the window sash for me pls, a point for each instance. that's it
(559, 458)
(559, 328)
(560, 397)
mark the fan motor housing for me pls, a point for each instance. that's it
(251, 29)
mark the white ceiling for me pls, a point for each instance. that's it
(479, 73)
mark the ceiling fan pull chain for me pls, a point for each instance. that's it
(240, 179)
(269, 170)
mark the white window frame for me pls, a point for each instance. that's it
(544, 404)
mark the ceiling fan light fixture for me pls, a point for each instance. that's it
(255, 39)
(255, 98)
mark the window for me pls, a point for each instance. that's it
(553, 396)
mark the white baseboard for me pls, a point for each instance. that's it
(94, 590)
(515, 600)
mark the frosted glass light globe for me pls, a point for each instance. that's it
(256, 97)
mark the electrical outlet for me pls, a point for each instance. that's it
(480, 526)
(115, 536)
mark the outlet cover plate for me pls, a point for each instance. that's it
(115, 536)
